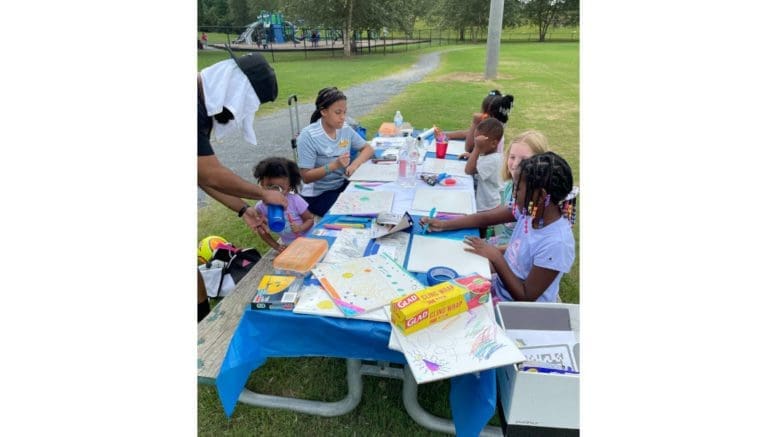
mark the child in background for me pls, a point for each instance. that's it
(527, 144)
(484, 164)
(542, 247)
(284, 176)
(494, 105)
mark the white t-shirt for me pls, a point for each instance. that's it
(551, 247)
(487, 181)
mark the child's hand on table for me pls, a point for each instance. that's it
(481, 247)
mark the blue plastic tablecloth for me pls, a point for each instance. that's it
(263, 334)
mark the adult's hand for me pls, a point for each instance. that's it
(482, 248)
(435, 225)
(274, 198)
(256, 221)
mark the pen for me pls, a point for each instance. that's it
(441, 176)
(431, 215)
(363, 187)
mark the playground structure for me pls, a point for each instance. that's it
(268, 28)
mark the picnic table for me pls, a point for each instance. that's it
(235, 340)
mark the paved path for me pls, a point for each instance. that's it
(273, 132)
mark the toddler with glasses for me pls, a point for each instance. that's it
(283, 175)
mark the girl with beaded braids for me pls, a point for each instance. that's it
(494, 105)
(542, 247)
(324, 149)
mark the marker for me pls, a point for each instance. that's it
(441, 176)
(363, 187)
(288, 214)
(349, 219)
(431, 215)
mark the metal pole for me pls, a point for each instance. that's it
(494, 36)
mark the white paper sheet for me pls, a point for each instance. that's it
(427, 252)
(376, 172)
(362, 202)
(452, 167)
(455, 147)
(465, 343)
(534, 337)
(453, 201)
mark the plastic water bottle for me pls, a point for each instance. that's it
(398, 121)
(413, 156)
(407, 164)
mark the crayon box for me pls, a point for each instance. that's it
(434, 304)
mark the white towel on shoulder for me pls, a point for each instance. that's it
(226, 86)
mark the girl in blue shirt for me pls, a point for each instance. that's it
(324, 149)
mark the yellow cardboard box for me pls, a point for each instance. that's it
(433, 304)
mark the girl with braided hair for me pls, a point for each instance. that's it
(494, 105)
(324, 151)
(542, 247)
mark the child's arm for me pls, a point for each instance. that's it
(472, 161)
(272, 242)
(536, 283)
(496, 216)
(307, 223)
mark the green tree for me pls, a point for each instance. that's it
(350, 15)
(238, 10)
(544, 13)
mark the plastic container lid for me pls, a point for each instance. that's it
(301, 255)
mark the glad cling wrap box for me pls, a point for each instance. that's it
(434, 304)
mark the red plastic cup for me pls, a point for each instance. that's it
(441, 149)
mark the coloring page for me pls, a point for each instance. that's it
(365, 284)
(465, 343)
(362, 202)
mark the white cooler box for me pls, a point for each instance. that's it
(539, 404)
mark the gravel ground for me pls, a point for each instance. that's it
(273, 132)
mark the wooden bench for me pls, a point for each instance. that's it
(215, 331)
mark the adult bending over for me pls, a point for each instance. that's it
(324, 149)
(230, 92)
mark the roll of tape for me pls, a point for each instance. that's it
(439, 274)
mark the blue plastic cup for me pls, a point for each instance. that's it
(275, 218)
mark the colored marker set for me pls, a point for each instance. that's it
(348, 222)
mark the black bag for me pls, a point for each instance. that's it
(227, 267)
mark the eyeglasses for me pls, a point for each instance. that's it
(273, 187)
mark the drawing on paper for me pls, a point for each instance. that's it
(365, 284)
(350, 244)
(559, 354)
(465, 343)
(314, 300)
(366, 203)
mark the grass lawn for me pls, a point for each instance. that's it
(544, 80)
